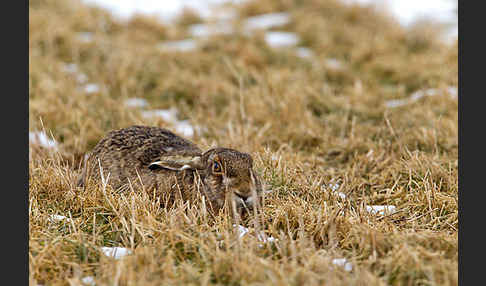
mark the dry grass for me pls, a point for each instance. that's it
(306, 124)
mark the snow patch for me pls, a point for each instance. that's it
(116, 252)
(343, 263)
(182, 127)
(266, 21)
(74, 70)
(166, 11)
(91, 88)
(278, 39)
(135, 102)
(341, 195)
(406, 12)
(70, 68)
(242, 231)
(334, 64)
(41, 138)
(180, 46)
(333, 187)
(207, 30)
(81, 78)
(88, 280)
(169, 115)
(451, 91)
(85, 37)
(397, 102)
(265, 238)
(305, 53)
(381, 209)
(409, 12)
(58, 218)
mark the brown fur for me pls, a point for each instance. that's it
(154, 158)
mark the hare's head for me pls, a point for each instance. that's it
(227, 175)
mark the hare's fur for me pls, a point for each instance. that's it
(155, 159)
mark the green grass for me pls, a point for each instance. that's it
(305, 124)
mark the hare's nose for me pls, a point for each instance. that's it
(243, 197)
(247, 198)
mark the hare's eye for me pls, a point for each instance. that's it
(216, 167)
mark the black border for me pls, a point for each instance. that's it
(460, 90)
(15, 144)
(471, 171)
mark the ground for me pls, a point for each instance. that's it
(368, 118)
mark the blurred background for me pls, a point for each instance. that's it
(148, 62)
(406, 12)
(318, 78)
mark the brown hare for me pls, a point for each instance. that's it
(159, 161)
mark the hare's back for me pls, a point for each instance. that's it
(143, 144)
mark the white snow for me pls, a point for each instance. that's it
(224, 26)
(241, 230)
(169, 115)
(70, 68)
(304, 52)
(277, 39)
(41, 138)
(406, 12)
(264, 238)
(397, 102)
(91, 88)
(73, 69)
(343, 262)
(334, 64)
(260, 236)
(421, 93)
(85, 37)
(88, 280)
(181, 46)
(182, 127)
(207, 30)
(333, 187)
(166, 11)
(381, 209)
(341, 195)
(451, 91)
(115, 252)
(223, 13)
(266, 21)
(135, 102)
(81, 78)
(409, 12)
(58, 218)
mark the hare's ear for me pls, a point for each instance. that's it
(177, 163)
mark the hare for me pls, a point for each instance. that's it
(159, 161)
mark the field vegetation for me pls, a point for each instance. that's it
(368, 118)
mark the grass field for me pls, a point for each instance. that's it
(369, 118)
